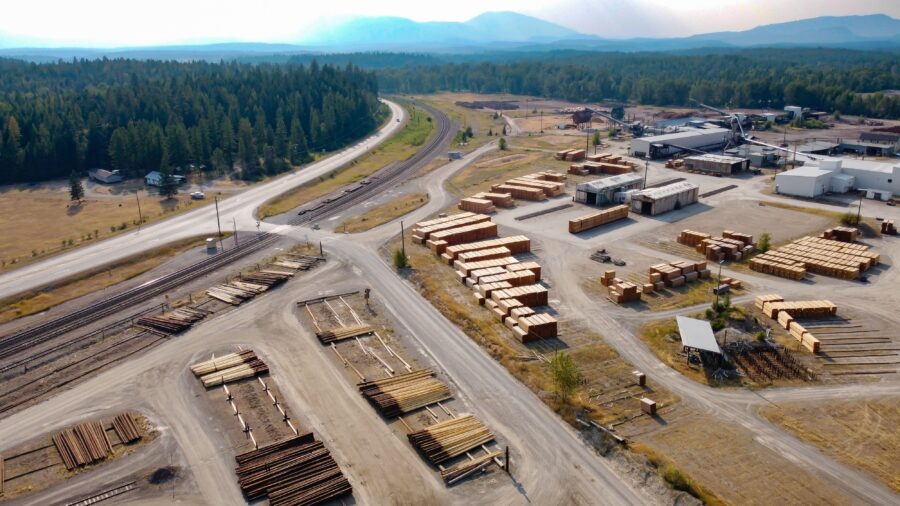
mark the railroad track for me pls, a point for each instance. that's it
(22, 340)
(104, 495)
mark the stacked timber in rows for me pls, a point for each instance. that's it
(476, 205)
(516, 244)
(843, 234)
(252, 284)
(821, 256)
(82, 444)
(445, 440)
(597, 219)
(676, 274)
(550, 188)
(484, 254)
(548, 175)
(692, 238)
(405, 392)
(126, 428)
(888, 228)
(528, 295)
(463, 269)
(518, 278)
(422, 231)
(675, 163)
(570, 155)
(498, 199)
(296, 262)
(519, 192)
(296, 471)
(228, 368)
(620, 291)
(439, 241)
(467, 467)
(173, 321)
(609, 168)
(786, 313)
(329, 336)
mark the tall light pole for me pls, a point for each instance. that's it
(646, 170)
(219, 224)
(140, 216)
(718, 284)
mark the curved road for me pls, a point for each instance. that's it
(241, 207)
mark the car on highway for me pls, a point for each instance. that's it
(198, 195)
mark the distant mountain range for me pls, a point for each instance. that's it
(506, 31)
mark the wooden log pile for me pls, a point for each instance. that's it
(82, 444)
(228, 368)
(453, 474)
(173, 321)
(443, 441)
(339, 334)
(126, 428)
(404, 393)
(597, 219)
(296, 262)
(296, 471)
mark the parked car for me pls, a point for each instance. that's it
(198, 196)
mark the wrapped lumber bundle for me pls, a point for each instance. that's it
(529, 295)
(612, 168)
(505, 307)
(339, 334)
(519, 192)
(549, 188)
(805, 337)
(538, 325)
(445, 440)
(821, 256)
(692, 238)
(607, 278)
(515, 244)
(800, 308)
(424, 233)
(126, 428)
(550, 175)
(404, 393)
(498, 199)
(442, 219)
(297, 471)
(476, 205)
(246, 370)
(468, 233)
(468, 267)
(82, 444)
(221, 363)
(173, 321)
(597, 219)
(785, 319)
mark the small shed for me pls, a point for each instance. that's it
(809, 182)
(653, 201)
(105, 176)
(697, 335)
(154, 178)
(603, 191)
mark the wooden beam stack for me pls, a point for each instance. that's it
(339, 334)
(126, 428)
(228, 368)
(221, 363)
(422, 231)
(515, 244)
(296, 471)
(173, 321)
(692, 238)
(476, 205)
(438, 241)
(467, 467)
(446, 440)
(520, 192)
(821, 256)
(597, 219)
(405, 392)
(843, 234)
(82, 444)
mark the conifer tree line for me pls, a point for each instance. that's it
(138, 116)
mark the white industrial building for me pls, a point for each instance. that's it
(657, 146)
(880, 180)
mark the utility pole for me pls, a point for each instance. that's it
(219, 224)
(859, 209)
(646, 170)
(402, 239)
(140, 216)
(542, 121)
(234, 222)
(718, 284)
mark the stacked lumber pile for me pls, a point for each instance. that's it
(296, 262)
(476, 205)
(675, 163)
(518, 278)
(173, 321)
(598, 157)
(534, 267)
(548, 175)
(786, 313)
(339, 334)
(692, 238)
(516, 244)
(82, 444)
(228, 368)
(528, 295)
(781, 267)
(762, 299)
(540, 325)
(731, 282)
(446, 440)
(296, 471)
(746, 239)
(484, 290)
(498, 199)
(675, 274)
(620, 291)
(404, 393)
(520, 192)
(597, 219)
(463, 269)
(888, 228)
(843, 234)
(267, 278)
(821, 256)
(438, 241)
(604, 167)
(570, 155)
(235, 293)
(422, 231)
(550, 188)
(484, 254)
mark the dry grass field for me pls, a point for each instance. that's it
(499, 167)
(481, 120)
(38, 220)
(860, 433)
(383, 213)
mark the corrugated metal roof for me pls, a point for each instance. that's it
(610, 182)
(687, 133)
(665, 191)
(697, 334)
(716, 158)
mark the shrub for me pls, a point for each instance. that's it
(401, 261)
(850, 219)
(764, 243)
(565, 373)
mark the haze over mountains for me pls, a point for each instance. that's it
(510, 31)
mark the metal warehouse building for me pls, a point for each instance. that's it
(656, 146)
(716, 164)
(653, 201)
(602, 191)
(881, 180)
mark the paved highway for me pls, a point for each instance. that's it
(241, 207)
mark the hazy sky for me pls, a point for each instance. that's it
(105, 23)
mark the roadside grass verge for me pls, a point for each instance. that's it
(419, 127)
(675, 477)
(384, 213)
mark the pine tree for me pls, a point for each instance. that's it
(76, 188)
(168, 185)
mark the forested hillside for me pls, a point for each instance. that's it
(138, 116)
(828, 79)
